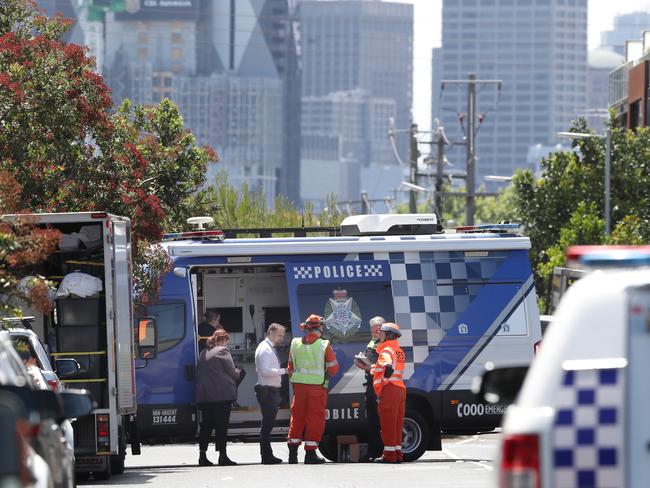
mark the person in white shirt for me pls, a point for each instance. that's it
(267, 390)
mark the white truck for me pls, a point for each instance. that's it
(581, 416)
(93, 324)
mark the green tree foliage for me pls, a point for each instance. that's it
(244, 208)
(565, 206)
(70, 150)
(487, 209)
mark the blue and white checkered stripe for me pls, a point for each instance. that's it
(588, 444)
(426, 295)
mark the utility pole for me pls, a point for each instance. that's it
(440, 140)
(470, 181)
(413, 169)
(471, 148)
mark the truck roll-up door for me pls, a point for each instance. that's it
(123, 318)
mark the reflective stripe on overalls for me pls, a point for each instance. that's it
(308, 361)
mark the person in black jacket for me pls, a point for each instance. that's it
(210, 324)
(216, 389)
(375, 445)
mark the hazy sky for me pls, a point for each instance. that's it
(427, 35)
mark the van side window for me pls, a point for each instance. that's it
(170, 317)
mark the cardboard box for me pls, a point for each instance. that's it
(349, 449)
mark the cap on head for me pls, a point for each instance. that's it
(389, 327)
(376, 321)
(313, 322)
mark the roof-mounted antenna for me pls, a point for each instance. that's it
(199, 222)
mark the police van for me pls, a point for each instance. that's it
(461, 298)
(581, 417)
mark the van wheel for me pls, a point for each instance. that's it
(415, 435)
(328, 448)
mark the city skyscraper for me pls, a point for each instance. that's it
(232, 68)
(538, 48)
(627, 27)
(358, 51)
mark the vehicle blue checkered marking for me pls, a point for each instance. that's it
(588, 433)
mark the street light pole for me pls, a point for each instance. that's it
(608, 162)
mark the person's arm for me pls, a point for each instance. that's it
(266, 364)
(379, 369)
(331, 364)
(229, 365)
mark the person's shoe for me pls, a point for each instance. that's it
(366, 459)
(271, 459)
(226, 461)
(312, 458)
(203, 460)
(293, 453)
(383, 460)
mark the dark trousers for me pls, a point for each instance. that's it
(214, 416)
(375, 445)
(269, 400)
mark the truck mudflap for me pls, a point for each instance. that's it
(463, 412)
(166, 421)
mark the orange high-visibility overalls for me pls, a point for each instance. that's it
(309, 400)
(391, 394)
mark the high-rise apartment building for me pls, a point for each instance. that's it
(538, 48)
(359, 50)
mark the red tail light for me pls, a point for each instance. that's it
(103, 433)
(54, 386)
(520, 461)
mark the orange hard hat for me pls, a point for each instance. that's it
(313, 322)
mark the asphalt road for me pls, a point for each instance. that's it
(464, 462)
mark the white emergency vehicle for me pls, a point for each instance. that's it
(580, 419)
(92, 323)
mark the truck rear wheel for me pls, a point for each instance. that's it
(415, 435)
(117, 464)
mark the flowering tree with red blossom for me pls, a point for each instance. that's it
(70, 150)
(22, 245)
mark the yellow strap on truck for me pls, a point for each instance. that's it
(75, 353)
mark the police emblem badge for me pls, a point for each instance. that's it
(342, 314)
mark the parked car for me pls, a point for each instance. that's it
(31, 350)
(34, 354)
(46, 412)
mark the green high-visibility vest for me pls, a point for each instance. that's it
(308, 361)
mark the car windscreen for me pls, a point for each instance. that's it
(24, 348)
